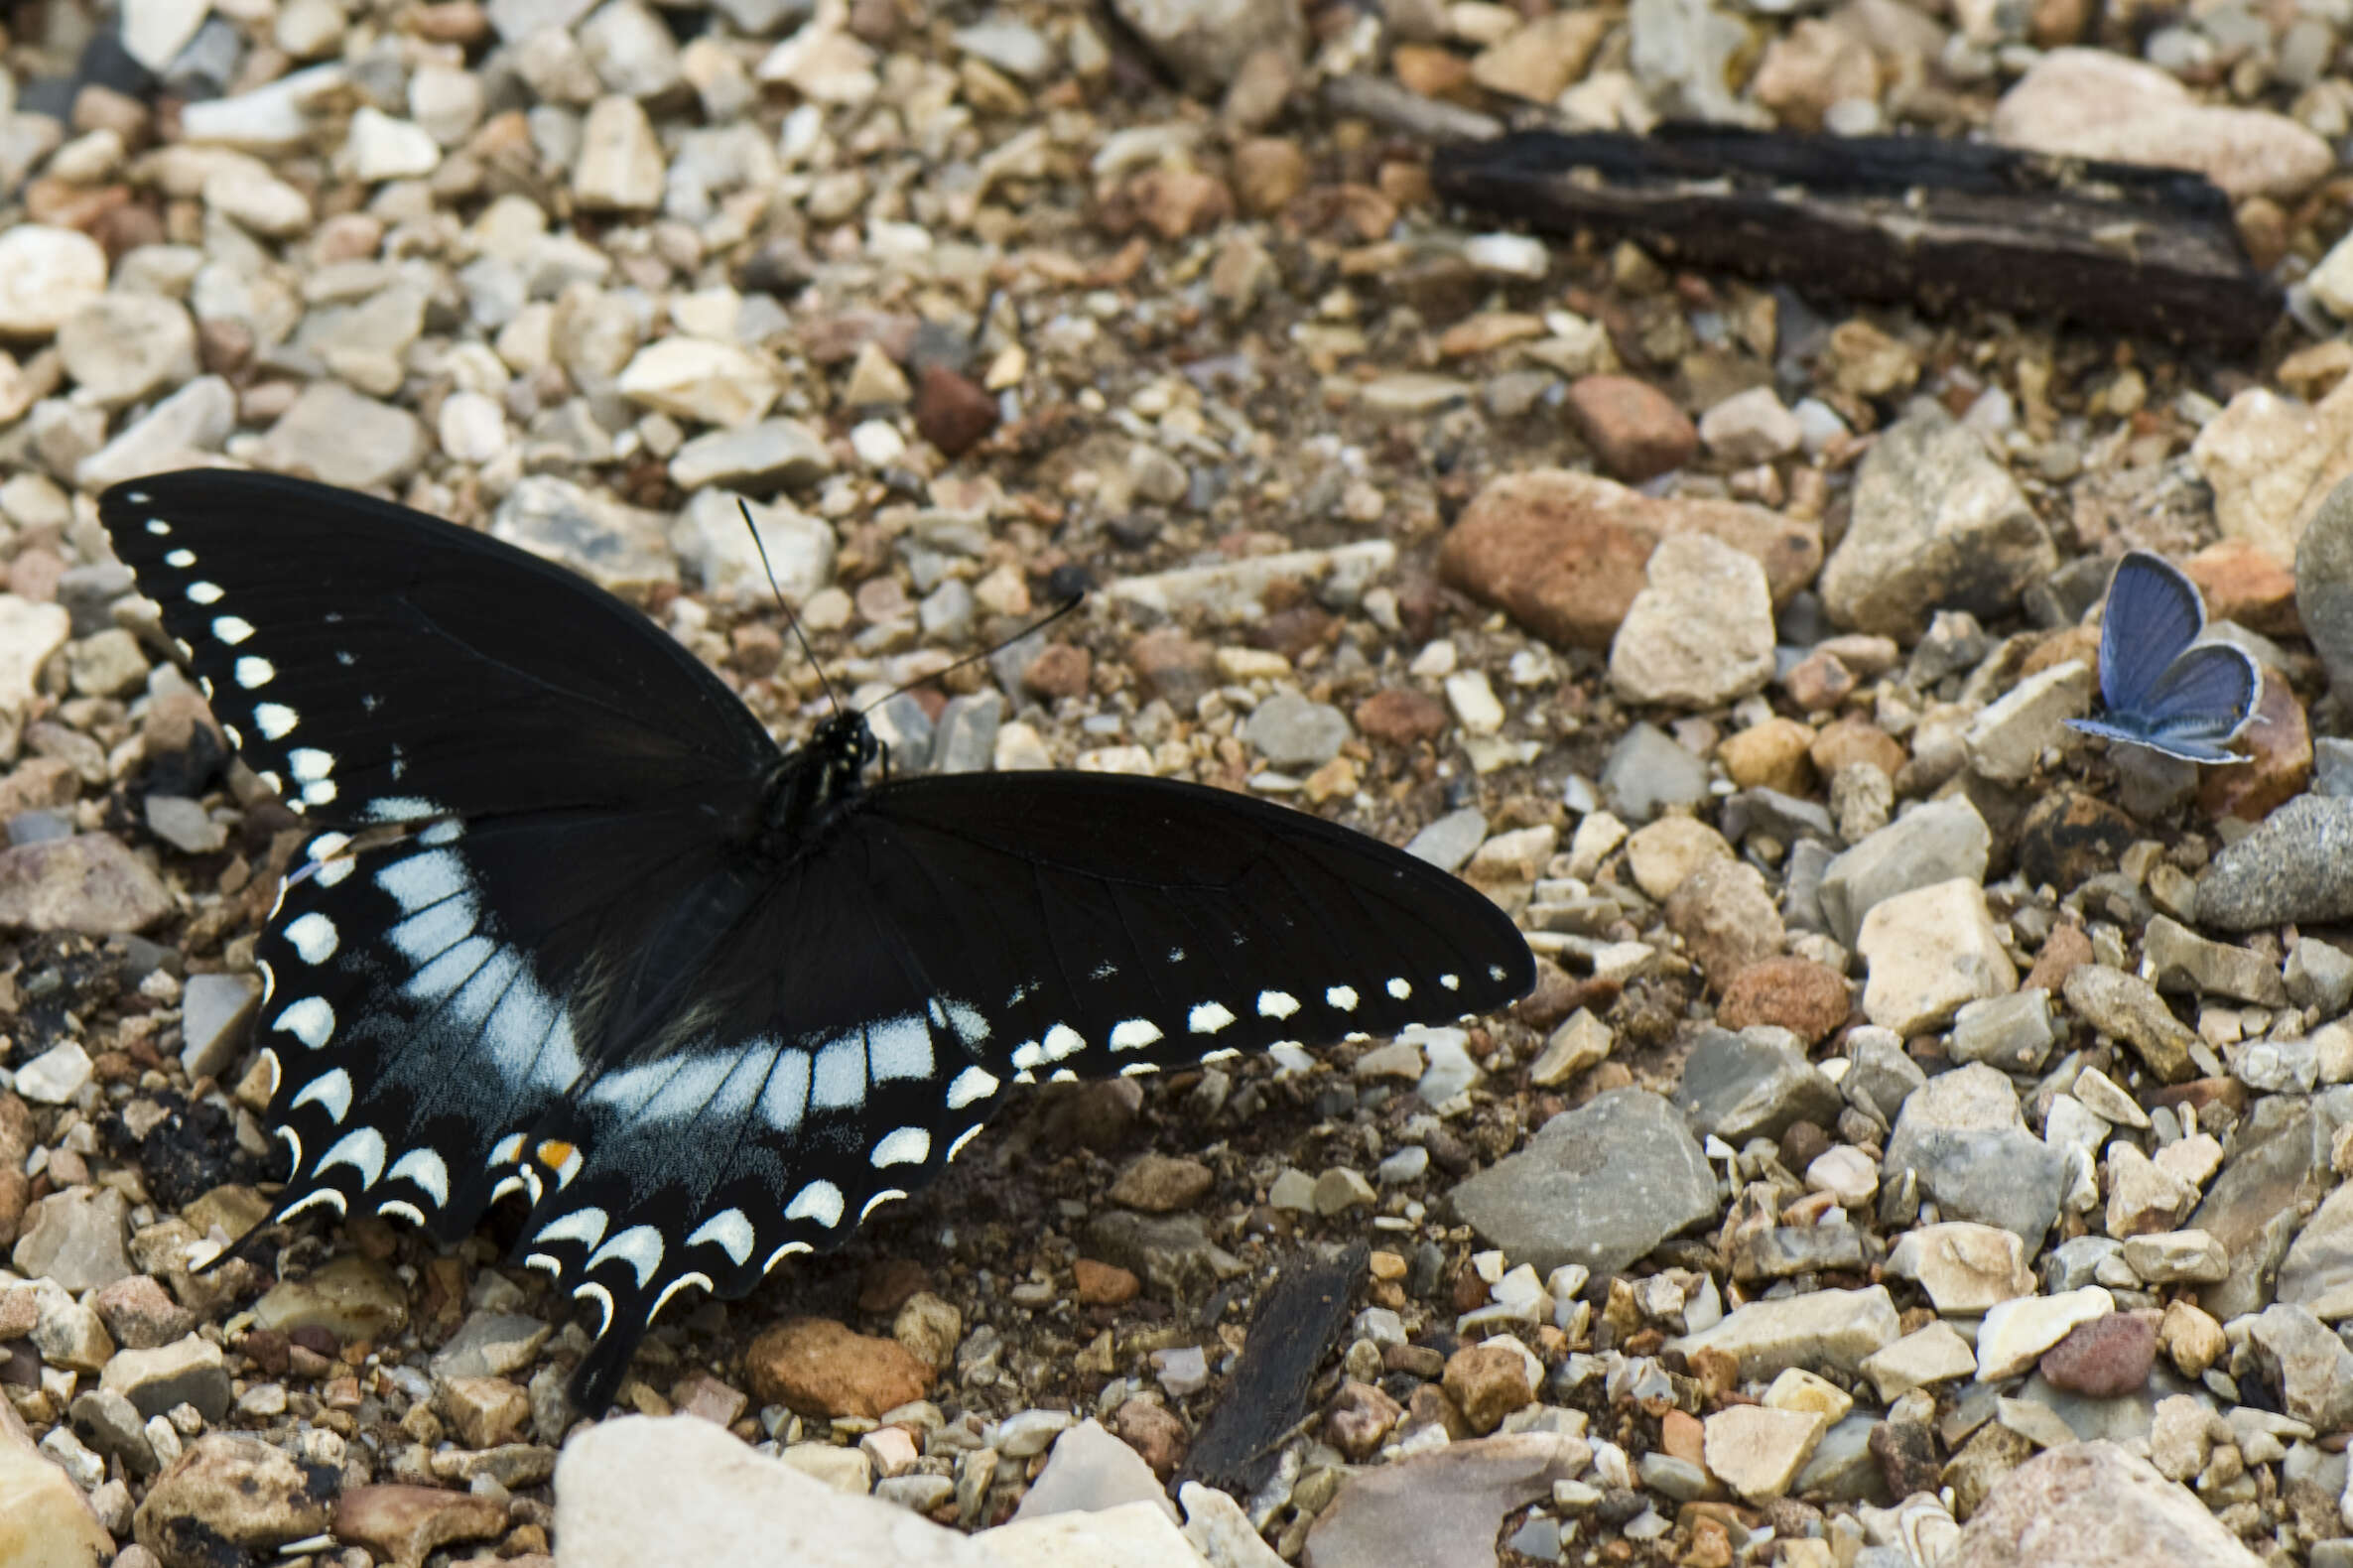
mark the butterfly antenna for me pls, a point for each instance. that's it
(989, 652)
(790, 619)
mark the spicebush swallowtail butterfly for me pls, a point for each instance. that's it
(573, 926)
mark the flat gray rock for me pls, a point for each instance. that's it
(2298, 864)
(1938, 843)
(1599, 1185)
(2094, 1505)
(1756, 1084)
(1440, 1510)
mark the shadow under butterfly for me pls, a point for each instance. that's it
(571, 926)
(2160, 687)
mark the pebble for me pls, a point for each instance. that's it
(1965, 1267)
(2308, 1363)
(49, 1520)
(1635, 431)
(820, 1367)
(1450, 840)
(1700, 633)
(1941, 842)
(695, 378)
(755, 457)
(341, 436)
(488, 1345)
(55, 1076)
(1663, 855)
(88, 883)
(1837, 1328)
(2104, 1358)
(1599, 1186)
(1442, 1507)
(47, 276)
(1937, 525)
(1810, 999)
(1750, 427)
(2014, 1333)
(2015, 1033)
(1932, 1355)
(714, 542)
(1961, 1133)
(2009, 737)
(235, 1491)
(1756, 1083)
(408, 1524)
(2127, 1008)
(76, 1237)
(215, 1012)
(2088, 104)
(2095, 1506)
(121, 349)
(2272, 460)
(188, 1371)
(1290, 731)
(2293, 867)
(1758, 1451)
(1929, 952)
(357, 1298)
(1566, 554)
(1648, 773)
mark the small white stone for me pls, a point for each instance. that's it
(2014, 1333)
(45, 275)
(1474, 702)
(472, 427)
(55, 1076)
(619, 167)
(695, 378)
(383, 147)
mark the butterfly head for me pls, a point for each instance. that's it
(821, 776)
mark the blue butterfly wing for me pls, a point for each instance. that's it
(2208, 694)
(2178, 747)
(2154, 615)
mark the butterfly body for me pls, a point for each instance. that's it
(2160, 685)
(570, 926)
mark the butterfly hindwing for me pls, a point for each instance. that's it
(376, 665)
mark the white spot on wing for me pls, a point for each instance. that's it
(209, 593)
(672, 1289)
(729, 1231)
(1451, 982)
(424, 1169)
(962, 1139)
(362, 1148)
(886, 1195)
(232, 629)
(820, 1201)
(399, 808)
(786, 1097)
(781, 1253)
(840, 1080)
(417, 881)
(310, 764)
(276, 720)
(1209, 1018)
(330, 1093)
(1398, 988)
(1343, 998)
(309, 1020)
(903, 1146)
(179, 559)
(1133, 1034)
(1277, 1005)
(584, 1226)
(640, 1246)
(602, 1297)
(899, 1048)
(969, 1084)
(402, 1210)
(325, 1195)
(1062, 1040)
(969, 1026)
(314, 937)
(254, 671)
(1029, 1054)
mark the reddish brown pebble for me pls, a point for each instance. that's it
(1401, 717)
(1429, 1407)
(2064, 950)
(406, 1524)
(1103, 1285)
(2280, 745)
(1062, 670)
(1635, 428)
(1487, 1382)
(1566, 553)
(2243, 582)
(1680, 1434)
(140, 1314)
(1173, 666)
(820, 1367)
(953, 412)
(2104, 1359)
(1160, 1183)
(699, 1394)
(1806, 998)
(1819, 682)
(1176, 202)
(889, 1283)
(1156, 1432)
(1359, 1418)
(1268, 172)
(1855, 738)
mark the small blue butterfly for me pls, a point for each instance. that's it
(2163, 689)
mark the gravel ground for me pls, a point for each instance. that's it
(1924, 1144)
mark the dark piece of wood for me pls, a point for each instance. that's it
(1945, 224)
(1294, 1329)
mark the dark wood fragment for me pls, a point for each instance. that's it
(1944, 225)
(1294, 1330)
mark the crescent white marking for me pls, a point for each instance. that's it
(820, 1201)
(1133, 1034)
(1209, 1018)
(362, 1148)
(903, 1146)
(969, 1084)
(729, 1231)
(330, 1093)
(640, 1246)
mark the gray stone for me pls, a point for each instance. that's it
(1964, 1138)
(755, 460)
(1937, 524)
(215, 1010)
(1290, 731)
(113, 1426)
(1843, 1468)
(2324, 586)
(965, 739)
(2318, 1272)
(2177, 959)
(2012, 1033)
(333, 433)
(1206, 41)
(1881, 1074)
(352, 1297)
(88, 883)
(617, 546)
(1647, 772)
(1450, 840)
(2308, 1363)
(184, 429)
(1838, 1329)
(1940, 842)
(76, 1237)
(713, 540)
(1783, 818)
(191, 1372)
(184, 825)
(1700, 633)
(1599, 1185)
(1753, 1083)
(2278, 1167)
(1089, 1469)
(1441, 1508)
(2332, 766)
(2319, 974)
(489, 1345)
(2126, 1008)
(2296, 866)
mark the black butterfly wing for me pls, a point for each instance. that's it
(2154, 613)
(950, 936)
(378, 664)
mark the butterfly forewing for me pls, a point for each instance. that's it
(599, 965)
(2153, 612)
(374, 664)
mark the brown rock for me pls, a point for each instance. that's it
(1991, 1453)
(406, 1524)
(2079, 643)
(1401, 715)
(2105, 1357)
(1819, 682)
(1487, 1382)
(953, 412)
(1855, 738)
(1635, 428)
(1361, 1417)
(88, 883)
(1159, 1183)
(486, 1411)
(1566, 553)
(1681, 1436)
(2094, 1505)
(1268, 171)
(1430, 70)
(1806, 998)
(2067, 837)
(1814, 66)
(2280, 743)
(2242, 583)
(820, 1367)
(2064, 950)
(889, 1283)
(1173, 666)
(1727, 917)
(1774, 754)
(1156, 1432)
(1907, 1455)
(141, 1314)
(1062, 670)
(39, 784)
(1103, 1285)
(1176, 202)
(229, 1495)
